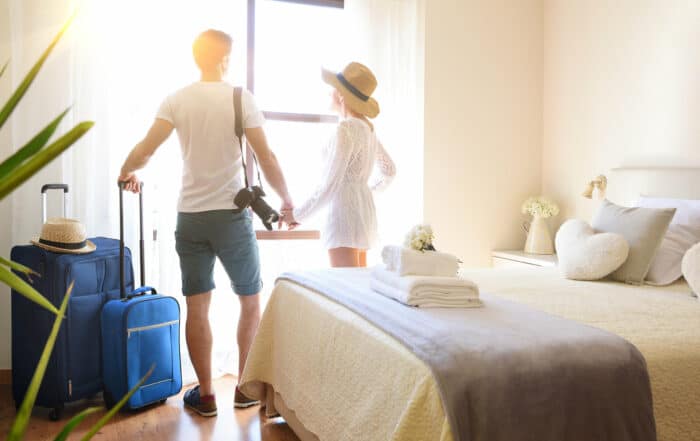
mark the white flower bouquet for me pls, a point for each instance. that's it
(540, 207)
(420, 238)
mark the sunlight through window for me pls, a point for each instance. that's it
(292, 42)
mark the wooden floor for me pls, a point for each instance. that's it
(165, 422)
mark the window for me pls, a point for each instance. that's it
(288, 43)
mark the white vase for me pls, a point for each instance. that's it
(539, 240)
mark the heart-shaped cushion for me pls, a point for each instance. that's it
(585, 255)
(691, 268)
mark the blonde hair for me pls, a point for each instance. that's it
(346, 110)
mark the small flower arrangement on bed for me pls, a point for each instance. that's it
(540, 207)
(420, 238)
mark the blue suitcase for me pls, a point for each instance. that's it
(140, 330)
(74, 371)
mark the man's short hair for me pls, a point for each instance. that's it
(210, 47)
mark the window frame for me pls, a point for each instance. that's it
(250, 67)
(310, 118)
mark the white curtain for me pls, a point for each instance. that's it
(117, 64)
(387, 35)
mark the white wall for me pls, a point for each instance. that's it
(621, 87)
(483, 122)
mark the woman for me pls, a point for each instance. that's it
(352, 154)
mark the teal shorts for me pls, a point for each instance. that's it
(202, 237)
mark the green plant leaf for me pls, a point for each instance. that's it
(105, 419)
(73, 423)
(29, 78)
(19, 426)
(18, 267)
(38, 161)
(15, 282)
(4, 67)
(32, 147)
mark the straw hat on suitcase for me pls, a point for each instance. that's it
(62, 235)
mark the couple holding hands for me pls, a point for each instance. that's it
(210, 225)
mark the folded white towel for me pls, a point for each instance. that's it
(426, 291)
(406, 261)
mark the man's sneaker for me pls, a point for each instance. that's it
(240, 401)
(205, 406)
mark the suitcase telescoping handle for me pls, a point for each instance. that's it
(48, 187)
(122, 282)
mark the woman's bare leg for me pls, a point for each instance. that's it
(344, 257)
(363, 258)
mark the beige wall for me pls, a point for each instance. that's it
(621, 87)
(483, 122)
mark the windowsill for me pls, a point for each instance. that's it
(288, 235)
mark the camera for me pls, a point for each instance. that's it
(253, 197)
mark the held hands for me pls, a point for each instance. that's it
(287, 216)
(131, 182)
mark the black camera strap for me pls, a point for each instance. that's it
(240, 133)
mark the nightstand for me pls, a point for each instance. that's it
(518, 258)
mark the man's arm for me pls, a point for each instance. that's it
(269, 165)
(139, 156)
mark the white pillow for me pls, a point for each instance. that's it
(666, 266)
(683, 233)
(687, 210)
(691, 268)
(585, 255)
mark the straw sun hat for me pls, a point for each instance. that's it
(356, 83)
(61, 235)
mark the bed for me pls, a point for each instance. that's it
(334, 376)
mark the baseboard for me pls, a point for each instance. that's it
(5, 376)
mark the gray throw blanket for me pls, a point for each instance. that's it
(507, 372)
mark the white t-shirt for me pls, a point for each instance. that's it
(203, 116)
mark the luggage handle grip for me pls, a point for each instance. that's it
(47, 187)
(141, 292)
(121, 240)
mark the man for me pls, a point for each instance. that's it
(209, 224)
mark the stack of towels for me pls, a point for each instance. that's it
(426, 279)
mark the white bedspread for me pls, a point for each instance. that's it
(313, 351)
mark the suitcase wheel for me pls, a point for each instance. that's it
(56, 413)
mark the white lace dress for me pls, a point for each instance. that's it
(351, 157)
